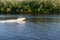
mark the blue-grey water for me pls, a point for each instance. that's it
(31, 29)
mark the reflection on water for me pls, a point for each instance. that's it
(43, 19)
(31, 29)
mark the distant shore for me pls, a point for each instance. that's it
(33, 7)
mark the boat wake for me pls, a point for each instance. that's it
(19, 20)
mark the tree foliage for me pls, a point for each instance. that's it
(32, 7)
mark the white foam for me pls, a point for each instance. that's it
(19, 20)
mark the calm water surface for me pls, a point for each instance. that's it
(31, 29)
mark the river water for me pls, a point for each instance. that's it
(30, 29)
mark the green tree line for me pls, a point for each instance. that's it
(31, 7)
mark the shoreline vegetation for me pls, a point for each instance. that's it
(47, 7)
